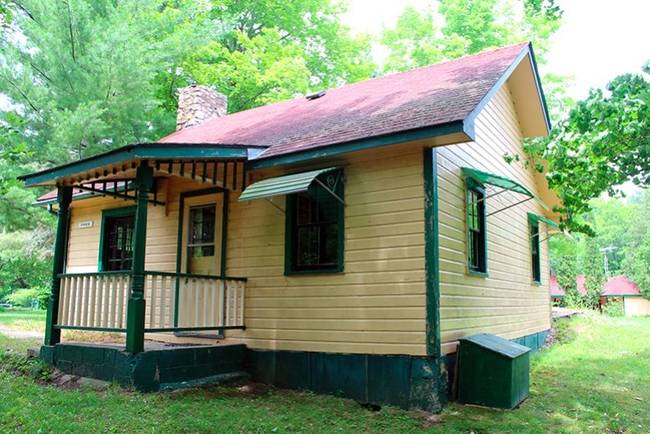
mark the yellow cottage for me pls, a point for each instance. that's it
(340, 242)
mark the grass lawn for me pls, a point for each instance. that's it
(22, 319)
(596, 380)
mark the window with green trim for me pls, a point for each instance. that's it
(476, 230)
(314, 227)
(535, 252)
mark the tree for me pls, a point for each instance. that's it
(636, 254)
(603, 143)
(84, 73)
(466, 27)
(592, 268)
(16, 209)
(271, 50)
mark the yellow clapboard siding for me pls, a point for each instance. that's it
(378, 325)
(507, 302)
(358, 313)
(384, 266)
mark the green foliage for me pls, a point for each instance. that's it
(25, 297)
(463, 27)
(622, 228)
(265, 70)
(603, 143)
(271, 50)
(592, 268)
(614, 308)
(16, 210)
(25, 260)
(84, 72)
(637, 264)
(19, 364)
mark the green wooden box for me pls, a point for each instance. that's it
(492, 371)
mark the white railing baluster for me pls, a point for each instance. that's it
(119, 292)
(163, 296)
(152, 299)
(242, 294)
(92, 300)
(100, 300)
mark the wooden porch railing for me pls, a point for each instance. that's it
(175, 302)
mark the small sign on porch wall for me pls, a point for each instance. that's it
(86, 224)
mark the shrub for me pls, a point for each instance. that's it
(614, 308)
(25, 297)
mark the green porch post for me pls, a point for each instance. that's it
(64, 197)
(136, 306)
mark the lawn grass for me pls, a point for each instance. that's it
(22, 319)
(596, 380)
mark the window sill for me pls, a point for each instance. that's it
(483, 274)
(537, 282)
(307, 272)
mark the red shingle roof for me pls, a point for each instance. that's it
(423, 97)
(620, 285)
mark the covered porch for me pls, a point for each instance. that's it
(123, 295)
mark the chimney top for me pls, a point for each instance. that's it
(197, 104)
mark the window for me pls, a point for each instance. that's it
(476, 233)
(200, 241)
(117, 239)
(535, 252)
(315, 227)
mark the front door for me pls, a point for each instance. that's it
(202, 238)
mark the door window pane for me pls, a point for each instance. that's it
(201, 231)
(118, 243)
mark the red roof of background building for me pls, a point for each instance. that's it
(555, 288)
(580, 284)
(620, 285)
(424, 97)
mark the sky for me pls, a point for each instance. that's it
(598, 40)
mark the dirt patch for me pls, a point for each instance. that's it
(21, 334)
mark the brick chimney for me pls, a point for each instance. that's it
(197, 104)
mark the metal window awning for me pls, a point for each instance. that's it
(506, 192)
(287, 184)
(536, 218)
(496, 180)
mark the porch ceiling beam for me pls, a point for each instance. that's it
(153, 151)
(114, 194)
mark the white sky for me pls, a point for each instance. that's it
(598, 40)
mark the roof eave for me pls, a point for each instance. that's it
(527, 51)
(309, 155)
(137, 151)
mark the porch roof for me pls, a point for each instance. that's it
(139, 151)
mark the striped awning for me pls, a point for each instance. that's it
(281, 185)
